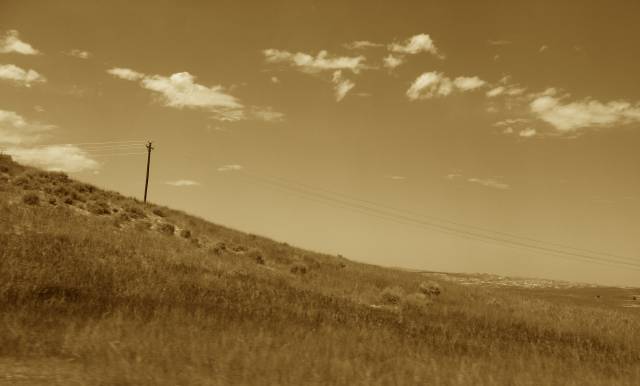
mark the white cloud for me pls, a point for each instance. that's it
(397, 178)
(510, 122)
(10, 42)
(314, 64)
(490, 183)
(415, 45)
(229, 168)
(362, 44)
(126, 73)
(80, 54)
(496, 91)
(180, 91)
(435, 84)
(266, 114)
(505, 89)
(453, 176)
(16, 130)
(508, 130)
(527, 133)
(499, 42)
(65, 158)
(568, 117)
(543, 48)
(341, 85)
(182, 183)
(391, 61)
(468, 83)
(274, 79)
(19, 75)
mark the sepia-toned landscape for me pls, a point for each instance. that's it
(319, 193)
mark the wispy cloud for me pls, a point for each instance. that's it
(392, 61)
(499, 42)
(362, 44)
(66, 158)
(182, 183)
(396, 177)
(341, 85)
(125, 73)
(543, 48)
(527, 133)
(587, 113)
(415, 45)
(180, 91)
(80, 54)
(230, 168)
(490, 183)
(16, 130)
(10, 43)
(20, 76)
(435, 84)
(315, 64)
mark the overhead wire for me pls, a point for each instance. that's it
(451, 230)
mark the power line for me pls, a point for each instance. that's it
(434, 218)
(449, 230)
(91, 143)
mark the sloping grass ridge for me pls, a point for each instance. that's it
(131, 294)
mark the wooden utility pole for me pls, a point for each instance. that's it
(146, 181)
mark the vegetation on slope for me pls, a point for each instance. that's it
(122, 293)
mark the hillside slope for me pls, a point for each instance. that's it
(100, 289)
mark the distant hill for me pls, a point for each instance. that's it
(101, 289)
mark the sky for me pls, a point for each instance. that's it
(408, 134)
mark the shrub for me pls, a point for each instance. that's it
(68, 200)
(185, 233)
(167, 229)
(159, 212)
(31, 199)
(257, 255)
(416, 300)
(99, 208)
(219, 248)
(392, 295)
(430, 288)
(143, 225)
(52, 201)
(134, 211)
(299, 269)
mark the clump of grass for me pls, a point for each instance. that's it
(185, 233)
(167, 229)
(430, 288)
(159, 212)
(31, 199)
(134, 211)
(219, 248)
(99, 208)
(256, 255)
(392, 295)
(299, 268)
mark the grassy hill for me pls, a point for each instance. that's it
(101, 289)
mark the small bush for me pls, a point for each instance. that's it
(99, 208)
(185, 233)
(257, 255)
(159, 212)
(167, 229)
(31, 199)
(68, 200)
(416, 301)
(392, 295)
(143, 225)
(430, 288)
(134, 211)
(219, 249)
(52, 201)
(299, 269)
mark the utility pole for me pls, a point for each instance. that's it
(146, 182)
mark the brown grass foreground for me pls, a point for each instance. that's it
(107, 291)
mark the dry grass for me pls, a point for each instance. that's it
(129, 305)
